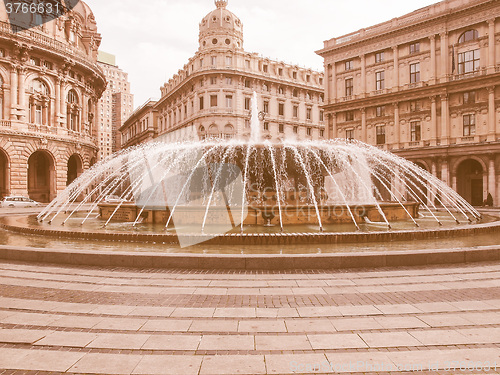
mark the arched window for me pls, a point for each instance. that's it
(39, 101)
(73, 113)
(90, 116)
(213, 131)
(228, 131)
(468, 35)
(202, 132)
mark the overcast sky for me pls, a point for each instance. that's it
(153, 39)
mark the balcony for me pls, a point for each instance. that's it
(5, 123)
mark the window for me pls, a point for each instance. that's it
(266, 106)
(415, 47)
(247, 103)
(414, 106)
(295, 129)
(308, 78)
(379, 57)
(295, 111)
(379, 80)
(321, 116)
(213, 80)
(201, 82)
(229, 81)
(229, 101)
(264, 68)
(247, 83)
(201, 63)
(281, 109)
(349, 87)
(266, 126)
(214, 60)
(247, 64)
(309, 113)
(468, 36)
(280, 71)
(349, 134)
(295, 93)
(469, 97)
(349, 116)
(469, 125)
(201, 102)
(281, 128)
(349, 65)
(415, 73)
(415, 131)
(281, 91)
(229, 61)
(381, 134)
(294, 75)
(380, 111)
(468, 61)
(322, 133)
(213, 100)
(73, 111)
(265, 87)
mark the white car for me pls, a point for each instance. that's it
(19, 202)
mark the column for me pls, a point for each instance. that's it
(328, 68)
(333, 131)
(13, 92)
(491, 114)
(21, 93)
(434, 127)
(432, 189)
(445, 174)
(444, 57)
(492, 179)
(58, 101)
(62, 101)
(364, 137)
(433, 58)
(397, 126)
(333, 85)
(445, 120)
(396, 67)
(491, 46)
(363, 74)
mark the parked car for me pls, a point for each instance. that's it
(19, 202)
(112, 199)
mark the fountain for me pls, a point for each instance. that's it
(255, 192)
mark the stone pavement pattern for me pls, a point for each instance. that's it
(84, 320)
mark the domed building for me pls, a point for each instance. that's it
(211, 95)
(49, 87)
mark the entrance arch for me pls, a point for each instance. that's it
(75, 168)
(41, 176)
(470, 181)
(4, 174)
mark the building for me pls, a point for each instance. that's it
(140, 126)
(114, 107)
(426, 87)
(211, 95)
(49, 87)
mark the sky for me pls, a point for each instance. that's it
(153, 39)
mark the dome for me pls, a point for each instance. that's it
(221, 28)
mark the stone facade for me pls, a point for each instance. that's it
(211, 95)
(140, 127)
(114, 107)
(50, 84)
(426, 87)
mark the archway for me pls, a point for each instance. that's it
(470, 181)
(74, 168)
(41, 178)
(4, 174)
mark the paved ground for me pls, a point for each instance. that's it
(56, 319)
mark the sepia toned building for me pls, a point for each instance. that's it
(211, 95)
(425, 86)
(49, 87)
(114, 107)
